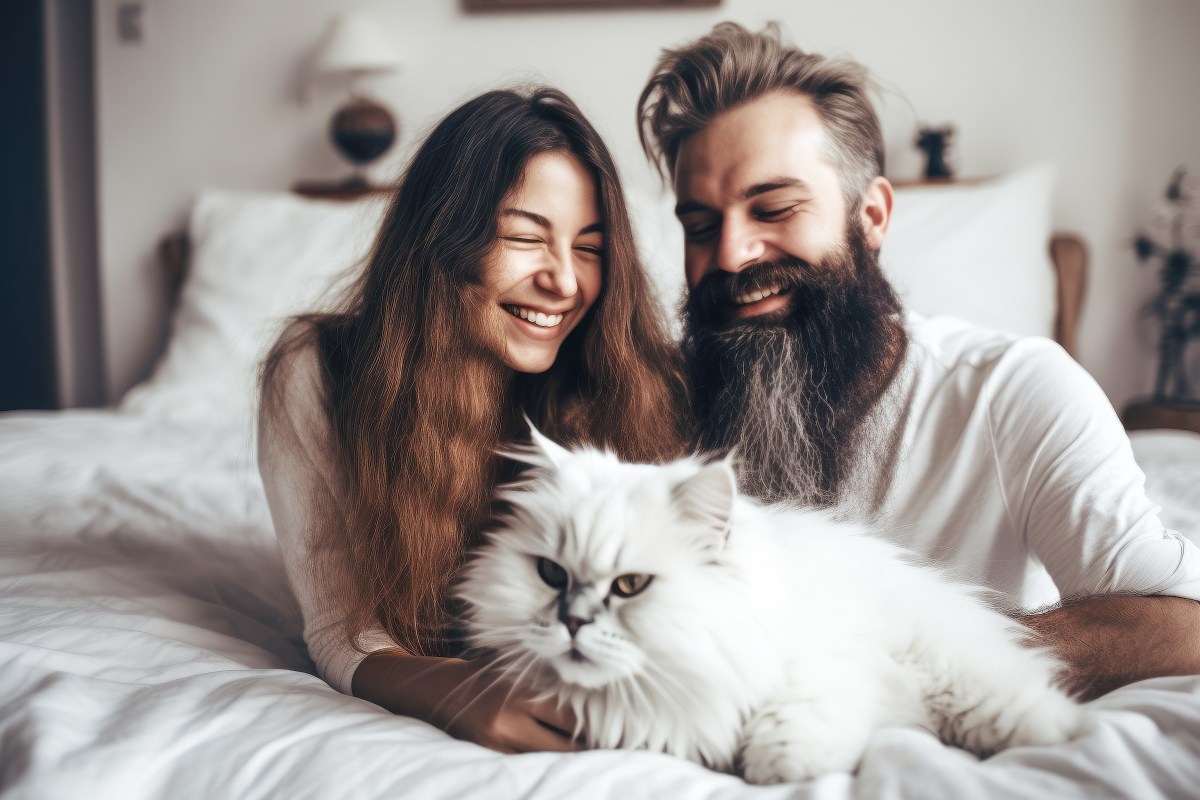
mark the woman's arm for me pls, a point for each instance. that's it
(464, 698)
(299, 476)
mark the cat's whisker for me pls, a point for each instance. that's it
(636, 686)
(478, 695)
(683, 696)
(530, 662)
(471, 682)
(451, 696)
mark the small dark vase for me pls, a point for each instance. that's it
(936, 144)
(362, 131)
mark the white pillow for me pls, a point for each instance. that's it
(256, 258)
(977, 251)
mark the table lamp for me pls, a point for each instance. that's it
(362, 130)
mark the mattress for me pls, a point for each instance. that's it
(149, 647)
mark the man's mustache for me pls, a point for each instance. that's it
(717, 292)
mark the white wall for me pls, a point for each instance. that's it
(1104, 89)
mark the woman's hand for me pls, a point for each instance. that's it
(485, 709)
(464, 698)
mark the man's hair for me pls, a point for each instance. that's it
(731, 66)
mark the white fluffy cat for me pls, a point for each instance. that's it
(672, 615)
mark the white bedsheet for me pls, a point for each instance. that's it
(149, 648)
(1171, 461)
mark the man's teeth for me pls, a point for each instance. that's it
(755, 296)
(536, 317)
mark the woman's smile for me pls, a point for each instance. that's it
(541, 319)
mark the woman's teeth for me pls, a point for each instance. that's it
(536, 317)
(755, 296)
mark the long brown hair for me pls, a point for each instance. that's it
(416, 396)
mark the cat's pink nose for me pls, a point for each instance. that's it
(574, 624)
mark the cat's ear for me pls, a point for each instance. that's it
(707, 498)
(553, 453)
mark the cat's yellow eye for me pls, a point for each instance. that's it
(629, 585)
(554, 575)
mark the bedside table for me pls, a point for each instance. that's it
(344, 190)
(1181, 415)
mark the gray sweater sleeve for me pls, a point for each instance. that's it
(305, 498)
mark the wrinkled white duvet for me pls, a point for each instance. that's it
(149, 648)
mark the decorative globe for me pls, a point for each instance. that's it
(362, 131)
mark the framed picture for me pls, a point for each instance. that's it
(555, 5)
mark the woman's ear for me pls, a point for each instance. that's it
(875, 211)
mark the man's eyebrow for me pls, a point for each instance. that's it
(782, 182)
(537, 219)
(776, 183)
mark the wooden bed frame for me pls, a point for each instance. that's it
(1070, 258)
(1067, 253)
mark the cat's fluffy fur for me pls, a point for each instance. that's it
(771, 641)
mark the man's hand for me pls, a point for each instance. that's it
(1112, 640)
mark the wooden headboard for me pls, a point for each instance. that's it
(1070, 258)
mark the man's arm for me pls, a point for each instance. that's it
(1112, 640)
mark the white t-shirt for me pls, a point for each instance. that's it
(1005, 464)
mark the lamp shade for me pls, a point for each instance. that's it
(354, 45)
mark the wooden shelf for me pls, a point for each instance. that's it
(338, 190)
(1183, 415)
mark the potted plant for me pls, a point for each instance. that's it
(1173, 242)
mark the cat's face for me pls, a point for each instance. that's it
(601, 569)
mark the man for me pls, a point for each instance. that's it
(999, 457)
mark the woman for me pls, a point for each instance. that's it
(504, 281)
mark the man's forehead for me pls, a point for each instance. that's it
(779, 135)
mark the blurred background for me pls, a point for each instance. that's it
(116, 113)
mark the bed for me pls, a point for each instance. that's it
(149, 644)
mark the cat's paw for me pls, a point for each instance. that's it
(776, 764)
(1047, 719)
(793, 743)
(1054, 720)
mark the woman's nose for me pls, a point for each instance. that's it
(558, 274)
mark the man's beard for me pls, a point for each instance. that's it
(789, 392)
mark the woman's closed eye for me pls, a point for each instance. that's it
(523, 240)
(591, 250)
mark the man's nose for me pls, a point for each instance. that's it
(739, 246)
